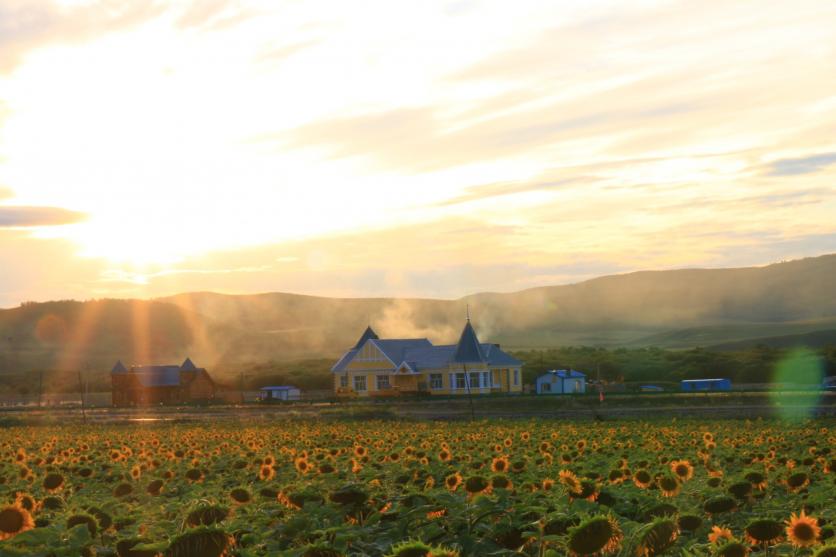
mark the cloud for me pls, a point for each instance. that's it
(487, 191)
(802, 165)
(285, 51)
(26, 25)
(6, 193)
(22, 216)
(214, 15)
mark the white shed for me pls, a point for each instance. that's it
(561, 381)
(281, 392)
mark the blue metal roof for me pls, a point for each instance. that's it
(367, 334)
(498, 357)
(342, 362)
(432, 357)
(119, 367)
(394, 349)
(280, 388)
(565, 374)
(420, 354)
(157, 376)
(188, 365)
(468, 349)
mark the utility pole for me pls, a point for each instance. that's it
(81, 392)
(241, 386)
(469, 392)
(40, 386)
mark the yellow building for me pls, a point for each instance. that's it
(390, 367)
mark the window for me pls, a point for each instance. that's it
(577, 385)
(359, 382)
(546, 387)
(436, 381)
(382, 382)
(461, 381)
(516, 377)
(486, 379)
(343, 381)
(474, 379)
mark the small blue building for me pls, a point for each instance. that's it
(280, 392)
(561, 381)
(689, 385)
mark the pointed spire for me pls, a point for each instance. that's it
(368, 334)
(468, 350)
(118, 367)
(188, 365)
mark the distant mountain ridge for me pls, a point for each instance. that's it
(678, 309)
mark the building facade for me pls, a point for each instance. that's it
(168, 384)
(392, 367)
(561, 381)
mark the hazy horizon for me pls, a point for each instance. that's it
(396, 296)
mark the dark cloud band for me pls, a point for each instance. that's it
(22, 216)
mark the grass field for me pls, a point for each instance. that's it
(312, 487)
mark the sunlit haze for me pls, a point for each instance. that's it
(427, 149)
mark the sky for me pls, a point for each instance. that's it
(423, 149)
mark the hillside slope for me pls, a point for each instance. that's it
(678, 308)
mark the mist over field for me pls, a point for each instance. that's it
(792, 303)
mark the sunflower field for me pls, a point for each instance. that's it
(415, 489)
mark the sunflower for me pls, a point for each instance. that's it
(642, 479)
(501, 481)
(302, 465)
(595, 536)
(445, 455)
(53, 482)
(266, 473)
(477, 484)
(732, 548)
(25, 501)
(453, 481)
(764, 532)
(798, 481)
(570, 481)
(669, 486)
(500, 464)
(432, 515)
(803, 530)
(719, 533)
(14, 519)
(657, 537)
(683, 469)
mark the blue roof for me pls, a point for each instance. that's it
(498, 357)
(420, 354)
(119, 367)
(157, 376)
(188, 365)
(279, 388)
(565, 374)
(394, 349)
(367, 334)
(342, 362)
(432, 357)
(468, 349)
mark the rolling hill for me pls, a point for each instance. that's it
(676, 309)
